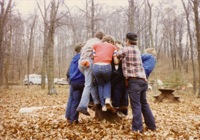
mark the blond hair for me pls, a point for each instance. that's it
(109, 39)
(151, 51)
(78, 47)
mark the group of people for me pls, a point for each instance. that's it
(106, 73)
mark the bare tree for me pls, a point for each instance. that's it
(197, 25)
(150, 24)
(50, 45)
(48, 48)
(91, 17)
(72, 25)
(131, 13)
(7, 58)
(31, 45)
(45, 51)
(3, 20)
(191, 44)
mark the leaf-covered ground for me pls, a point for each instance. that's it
(174, 120)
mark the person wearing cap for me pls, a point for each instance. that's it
(85, 66)
(77, 81)
(103, 54)
(136, 83)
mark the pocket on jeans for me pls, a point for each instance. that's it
(95, 69)
(108, 68)
(134, 87)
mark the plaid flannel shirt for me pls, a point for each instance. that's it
(131, 62)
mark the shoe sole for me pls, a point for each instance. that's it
(109, 107)
(121, 115)
(83, 112)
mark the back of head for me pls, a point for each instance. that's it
(78, 47)
(132, 38)
(99, 35)
(109, 39)
(151, 51)
(118, 44)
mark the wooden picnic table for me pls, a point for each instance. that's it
(166, 94)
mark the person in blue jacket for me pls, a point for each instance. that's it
(76, 80)
(149, 61)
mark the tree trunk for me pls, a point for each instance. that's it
(197, 25)
(156, 32)
(3, 20)
(150, 24)
(44, 58)
(146, 41)
(45, 49)
(51, 61)
(50, 45)
(105, 115)
(131, 15)
(75, 38)
(191, 46)
(7, 60)
(30, 50)
(92, 19)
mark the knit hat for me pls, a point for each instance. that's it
(132, 37)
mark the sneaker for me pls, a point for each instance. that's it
(109, 105)
(107, 101)
(104, 108)
(85, 112)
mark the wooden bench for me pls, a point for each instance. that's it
(166, 94)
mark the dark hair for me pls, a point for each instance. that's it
(132, 38)
(132, 42)
(99, 35)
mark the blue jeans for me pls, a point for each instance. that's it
(102, 74)
(68, 107)
(76, 93)
(137, 92)
(89, 88)
(119, 94)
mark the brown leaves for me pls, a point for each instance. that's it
(174, 121)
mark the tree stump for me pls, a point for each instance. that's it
(105, 115)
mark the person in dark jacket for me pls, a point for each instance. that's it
(149, 61)
(77, 81)
(118, 90)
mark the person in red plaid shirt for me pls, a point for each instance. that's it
(136, 83)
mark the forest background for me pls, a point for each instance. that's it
(42, 41)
